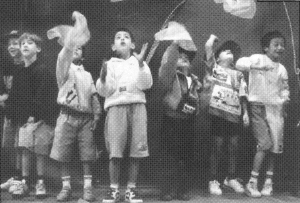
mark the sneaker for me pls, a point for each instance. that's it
(251, 190)
(21, 189)
(235, 185)
(64, 195)
(131, 196)
(40, 191)
(88, 194)
(268, 188)
(214, 188)
(112, 196)
(7, 184)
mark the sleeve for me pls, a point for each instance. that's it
(109, 86)
(144, 80)
(167, 70)
(243, 64)
(64, 61)
(285, 92)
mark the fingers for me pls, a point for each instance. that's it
(144, 48)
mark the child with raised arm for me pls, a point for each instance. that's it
(122, 81)
(80, 108)
(268, 97)
(227, 107)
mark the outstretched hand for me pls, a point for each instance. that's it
(140, 57)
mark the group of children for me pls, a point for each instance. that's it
(67, 111)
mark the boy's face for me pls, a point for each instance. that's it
(226, 55)
(29, 48)
(122, 42)
(13, 47)
(77, 54)
(275, 49)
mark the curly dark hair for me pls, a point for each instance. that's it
(266, 39)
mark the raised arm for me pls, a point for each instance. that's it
(209, 51)
(167, 70)
(64, 61)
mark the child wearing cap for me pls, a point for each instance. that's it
(227, 107)
(181, 105)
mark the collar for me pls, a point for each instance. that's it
(77, 67)
(115, 59)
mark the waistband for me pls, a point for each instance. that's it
(74, 113)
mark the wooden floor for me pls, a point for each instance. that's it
(151, 195)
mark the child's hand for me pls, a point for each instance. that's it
(140, 57)
(103, 71)
(246, 121)
(214, 38)
(31, 119)
(94, 123)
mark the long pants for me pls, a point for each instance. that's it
(177, 155)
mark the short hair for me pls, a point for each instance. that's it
(266, 39)
(37, 39)
(14, 34)
(232, 46)
(124, 30)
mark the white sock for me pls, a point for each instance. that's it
(87, 181)
(66, 181)
(114, 186)
(131, 185)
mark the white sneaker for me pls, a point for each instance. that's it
(214, 188)
(14, 186)
(235, 185)
(40, 190)
(7, 184)
(268, 188)
(21, 190)
(251, 190)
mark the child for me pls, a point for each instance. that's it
(181, 102)
(268, 97)
(31, 101)
(80, 109)
(8, 67)
(122, 82)
(227, 105)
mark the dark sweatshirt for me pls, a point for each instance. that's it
(33, 93)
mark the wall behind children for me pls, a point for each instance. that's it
(144, 18)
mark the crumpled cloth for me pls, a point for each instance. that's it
(240, 8)
(71, 36)
(178, 32)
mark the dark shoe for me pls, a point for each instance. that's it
(112, 196)
(88, 194)
(64, 195)
(131, 196)
(184, 197)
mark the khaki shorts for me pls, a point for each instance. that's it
(267, 126)
(126, 126)
(69, 130)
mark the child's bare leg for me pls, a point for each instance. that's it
(133, 172)
(26, 163)
(40, 166)
(114, 172)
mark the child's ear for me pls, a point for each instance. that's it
(113, 47)
(39, 49)
(266, 49)
(132, 46)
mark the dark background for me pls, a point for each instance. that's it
(144, 18)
